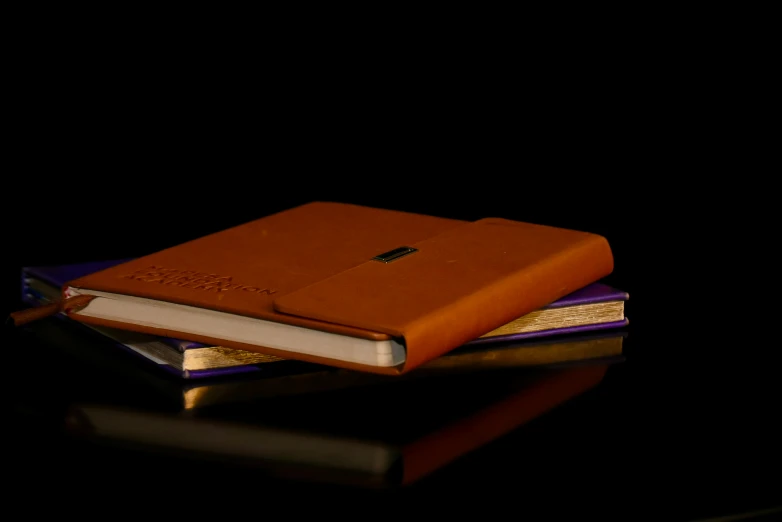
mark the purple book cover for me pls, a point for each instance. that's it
(594, 293)
(59, 275)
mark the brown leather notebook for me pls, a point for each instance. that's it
(345, 285)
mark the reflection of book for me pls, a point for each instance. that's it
(345, 285)
(341, 436)
(596, 307)
(130, 375)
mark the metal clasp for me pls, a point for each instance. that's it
(393, 255)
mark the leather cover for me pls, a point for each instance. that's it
(312, 266)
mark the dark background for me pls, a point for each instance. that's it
(109, 162)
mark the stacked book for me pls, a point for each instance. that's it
(332, 296)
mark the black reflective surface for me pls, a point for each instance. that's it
(683, 428)
(638, 439)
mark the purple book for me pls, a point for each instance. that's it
(594, 307)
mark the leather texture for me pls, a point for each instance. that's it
(312, 266)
